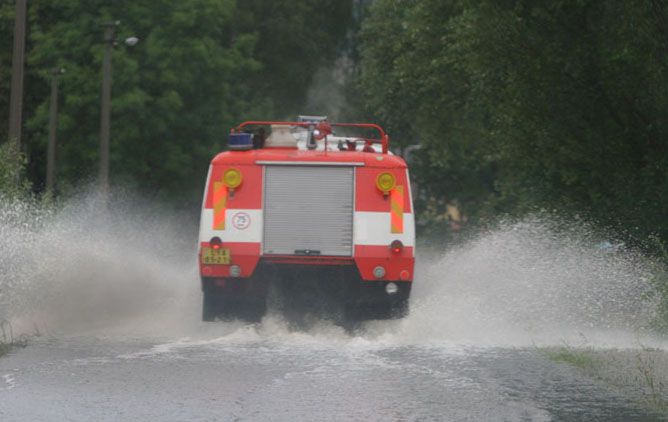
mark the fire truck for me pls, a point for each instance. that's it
(305, 204)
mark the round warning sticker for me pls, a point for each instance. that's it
(241, 220)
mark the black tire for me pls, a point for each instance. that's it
(243, 309)
(379, 310)
(372, 302)
(210, 305)
(399, 309)
(230, 304)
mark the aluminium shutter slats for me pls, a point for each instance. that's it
(308, 207)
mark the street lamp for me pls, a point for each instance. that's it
(16, 94)
(105, 118)
(53, 121)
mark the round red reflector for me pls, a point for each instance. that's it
(215, 242)
(396, 246)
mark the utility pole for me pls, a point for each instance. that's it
(105, 119)
(16, 96)
(53, 122)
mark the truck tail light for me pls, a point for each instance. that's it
(396, 247)
(215, 242)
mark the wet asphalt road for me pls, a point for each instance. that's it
(465, 353)
(243, 373)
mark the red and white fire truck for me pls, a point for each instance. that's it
(301, 203)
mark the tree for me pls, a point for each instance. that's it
(295, 39)
(174, 96)
(201, 67)
(522, 104)
(413, 84)
(6, 43)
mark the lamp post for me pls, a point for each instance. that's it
(16, 95)
(105, 118)
(53, 122)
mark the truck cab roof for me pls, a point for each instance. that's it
(305, 156)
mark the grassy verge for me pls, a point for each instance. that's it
(7, 339)
(660, 282)
(583, 359)
(640, 374)
(4, 349)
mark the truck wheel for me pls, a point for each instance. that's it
(242, 308)
(210, 306)
(253, 311)
(381, 310)
(399, 309)
(244, 301)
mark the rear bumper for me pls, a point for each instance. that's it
(396, 267)
(333, 281)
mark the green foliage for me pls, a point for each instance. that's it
(639, 373)
(12, 172)
(582, 358)
(660, 281)
(294, 39)
(201, 67)
(523, 104)
(174, 95)
(7, 339)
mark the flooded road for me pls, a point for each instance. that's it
(250, 375)
(117, 309)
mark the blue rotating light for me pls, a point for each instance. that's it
(240, 141)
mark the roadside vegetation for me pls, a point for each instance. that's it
(641, 374)
(13, 183)
(7, 339)
(660, 281)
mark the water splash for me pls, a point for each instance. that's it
(133, 272)
(532, 282)
(80, 267)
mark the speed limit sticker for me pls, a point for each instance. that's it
(241, 221)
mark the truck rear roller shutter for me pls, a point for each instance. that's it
(308, 210)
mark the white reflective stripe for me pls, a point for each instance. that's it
(235, 220)
(373, 228)
(370, 228)
(202, 217)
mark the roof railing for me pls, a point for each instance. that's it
(325, 127)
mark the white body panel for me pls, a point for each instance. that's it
(369, 228)
(234, 232)
(373, 228)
